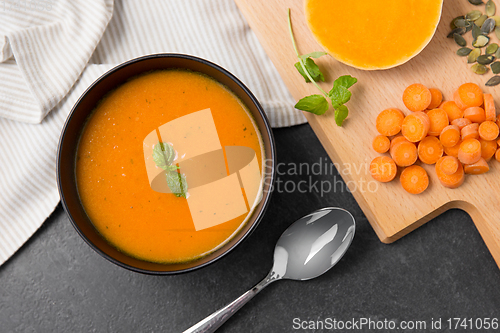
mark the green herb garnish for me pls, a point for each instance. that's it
(163, 156)
(318, 104)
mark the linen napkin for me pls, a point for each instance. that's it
(51, 51)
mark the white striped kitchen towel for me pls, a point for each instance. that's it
(52, 50)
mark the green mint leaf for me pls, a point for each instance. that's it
(177, 183)
(312, 55)
(313, 70)
(340, 114)
(163, 155)
(339, 95)
(346, 81)
(316, 104)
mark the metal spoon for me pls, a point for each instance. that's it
(308, 248)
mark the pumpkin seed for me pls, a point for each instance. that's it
(490, 8)
(462, 23)
(463, 51)
(495, 67)
(497, 20)
(473, 15)
(475, 31)
(476, 2)
(459, 40)
(485, 59)
(497, 32)
(473, 56)
(491, 49)
(479, 22)
(488, 26)
(479, 69)
(493, 81)
(453, 25)
(497, 53)
(480, 41)
(459, 31)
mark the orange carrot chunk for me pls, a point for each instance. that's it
(404, 153)
(470, 131)
(436, 98)
(450, 136)
(488, 149)
(470, 151)
(489, 107)
(453, 151)
(468, 95)
(397, 139)
(450, 181)
(417, 97)
(498, 120)
(453, 111)
(389, 122)
(383, 169)
(414, 179)
(461, 122)
(475, 114)
(430, 150)
(449, 164)
(415, 126)
(381, 144)
(497, 155)
(488, 130)
(439, 120)
(477, 168)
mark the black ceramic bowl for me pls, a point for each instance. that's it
(66, 156)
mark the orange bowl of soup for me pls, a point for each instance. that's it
(165, 164)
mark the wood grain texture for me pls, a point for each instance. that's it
(391, 211)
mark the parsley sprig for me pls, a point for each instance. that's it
(318, 104)
(163, 156)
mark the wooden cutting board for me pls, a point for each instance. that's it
(391, 211)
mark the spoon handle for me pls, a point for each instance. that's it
(216, 319)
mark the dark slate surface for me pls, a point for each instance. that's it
(56, 283)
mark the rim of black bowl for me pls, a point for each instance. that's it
(268, 130)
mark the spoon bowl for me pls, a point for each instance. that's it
(307, 249)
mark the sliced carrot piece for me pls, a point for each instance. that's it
(475, 114)
(498, 142)
(468, 95)
(477, 168)
(488, 149)
(449, 164)
(416, 126)
(497, 155)
(488, 130)
(470, 151)
(430, 150)
(450, 136)
(453, 111)
(450, 181)
(417, 97)
(414, 179)
(489, 107)
(397, 139)
(404, 153)
(470, 131)
(389, 122)
(439, 120)
(381, 144)
(436, 98)
(453, 151)
(461, 122)
(498, 120)
(383, 169)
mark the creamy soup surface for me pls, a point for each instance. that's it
(112, 178)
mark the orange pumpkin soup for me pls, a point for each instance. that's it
(118, 172)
